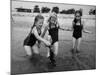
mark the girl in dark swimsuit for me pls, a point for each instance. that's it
(31, 41)
(77, 28)
(53, 29)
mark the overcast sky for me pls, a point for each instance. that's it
(30, 4)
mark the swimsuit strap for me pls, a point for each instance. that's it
(38, 32)
(75, 21)
(31, 30)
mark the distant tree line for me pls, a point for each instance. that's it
(36, 9)
(45, 10)
(23, 10)
(69, 11)
(92, 12)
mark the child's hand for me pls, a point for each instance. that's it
(47, 43)
(90, 32)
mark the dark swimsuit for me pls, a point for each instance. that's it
(77, 33)
(53, 32)
(30, 39)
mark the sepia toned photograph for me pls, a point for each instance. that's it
(52, 37)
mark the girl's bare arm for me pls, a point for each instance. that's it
(86, 31)
(44, 31)
(66, 29)
(71, 28)
(34, 31)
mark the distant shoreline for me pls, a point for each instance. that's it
(71, 16)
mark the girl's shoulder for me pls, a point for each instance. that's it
(34, 29)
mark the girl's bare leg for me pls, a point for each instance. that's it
(48, 52)
(74, 42)
(28, 50)
(35, 49)
(78, 43)
(56, 48)
(48, 48)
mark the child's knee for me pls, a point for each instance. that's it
(35, 49)
(28, 50)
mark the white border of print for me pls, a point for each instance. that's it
(5, 36)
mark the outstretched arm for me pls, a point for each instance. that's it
(34, 31)
(66, 29)
(42, 35)
(86, 31)
(44, 31)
